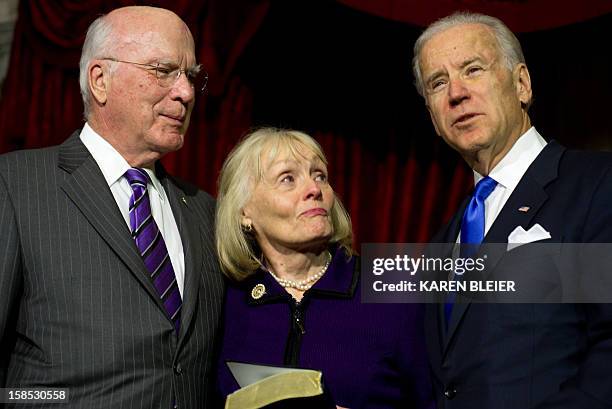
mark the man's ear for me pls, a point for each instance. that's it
(98, 77)
(522, 81)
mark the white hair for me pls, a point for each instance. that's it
(509, 46)
(97, 44)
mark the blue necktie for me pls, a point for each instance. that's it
(472, 229)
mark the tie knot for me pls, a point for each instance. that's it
(484, 188)
(137, 176)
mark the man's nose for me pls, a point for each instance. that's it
(183, 89)
(457, 91)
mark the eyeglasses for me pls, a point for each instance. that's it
(167, 74)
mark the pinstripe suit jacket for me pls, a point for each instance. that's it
(77, 308)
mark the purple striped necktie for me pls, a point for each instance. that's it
(151, 245)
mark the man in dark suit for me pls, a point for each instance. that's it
(471, 71)
(109, 282)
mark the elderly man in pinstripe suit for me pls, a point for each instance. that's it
(109, 285)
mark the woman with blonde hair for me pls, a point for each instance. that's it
(285, 241)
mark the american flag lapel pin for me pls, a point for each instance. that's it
(523, 209)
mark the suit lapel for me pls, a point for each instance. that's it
(191, 236)
(437, 333)
(530, 192)
(88, 190)
(460, 305)
(434, 335)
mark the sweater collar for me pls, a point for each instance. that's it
(339, 281)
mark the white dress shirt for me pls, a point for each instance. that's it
(509, 172)
(113, 167)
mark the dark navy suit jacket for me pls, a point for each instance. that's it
(532, 355)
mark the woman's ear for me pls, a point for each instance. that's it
(245, 221)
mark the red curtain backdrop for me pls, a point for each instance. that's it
(398, 180)
(519, 15)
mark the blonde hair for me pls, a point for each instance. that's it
(237, 249)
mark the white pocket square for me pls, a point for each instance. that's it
(519, 236)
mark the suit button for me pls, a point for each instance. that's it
(450, 392)
(177, 369)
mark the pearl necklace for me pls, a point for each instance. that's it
(306, 283)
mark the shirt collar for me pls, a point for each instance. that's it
(509, 171)
(110, 162)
